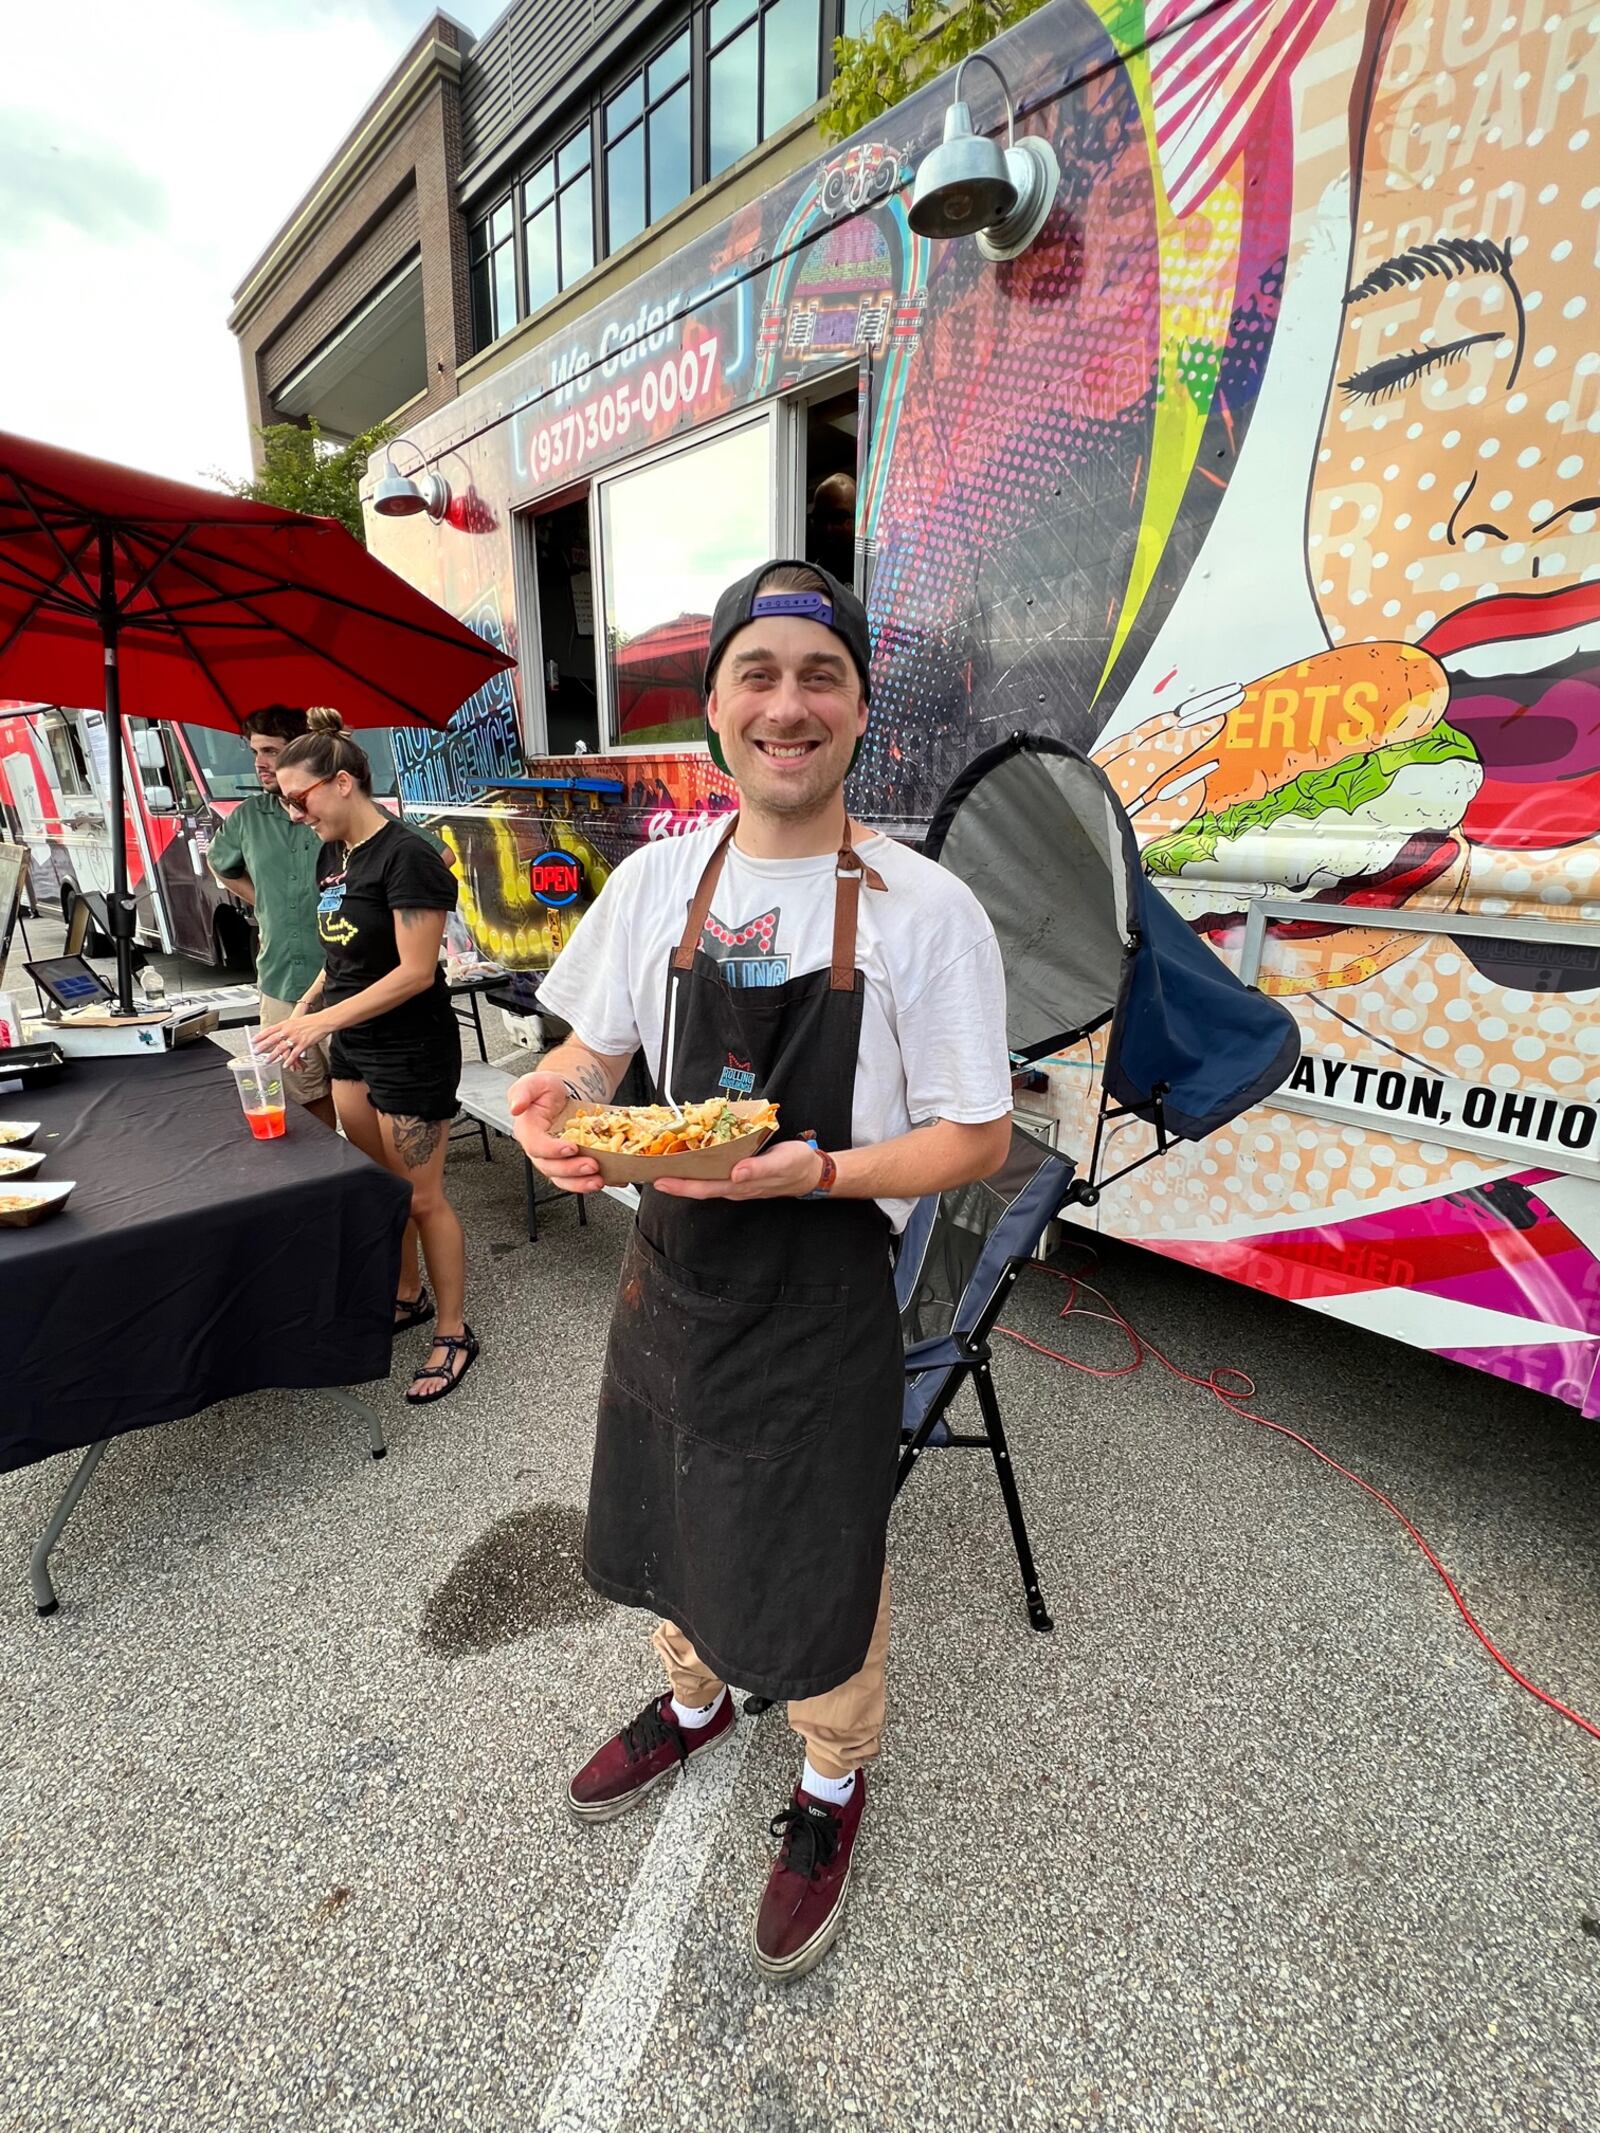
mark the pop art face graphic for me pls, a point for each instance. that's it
(1457, 482)
(1453, 722)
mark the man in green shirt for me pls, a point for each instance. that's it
(268, 859)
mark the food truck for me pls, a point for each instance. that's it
(1268, 474)
(180, 782)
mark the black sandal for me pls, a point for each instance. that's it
(413, 1310)
(466, 1342)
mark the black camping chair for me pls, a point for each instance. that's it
(1036, 832)
(959, 1258)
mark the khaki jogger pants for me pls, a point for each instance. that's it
(841, 1730)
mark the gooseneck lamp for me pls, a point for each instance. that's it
(399, 496)
(970, 186)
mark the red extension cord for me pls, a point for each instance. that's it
(1233, 1400)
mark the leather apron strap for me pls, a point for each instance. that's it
(850, 872)
(700, 905)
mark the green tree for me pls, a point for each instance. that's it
(900, 52)
(301, 470)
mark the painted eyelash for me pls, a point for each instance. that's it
(1382, 380)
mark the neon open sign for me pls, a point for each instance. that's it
(556, 879)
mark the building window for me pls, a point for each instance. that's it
(558, 220)
(764, 68)
(648, 134)
(493, 260)
(671, 125)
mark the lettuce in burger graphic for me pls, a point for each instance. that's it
(1339, 780)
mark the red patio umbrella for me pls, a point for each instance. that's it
(162, 600)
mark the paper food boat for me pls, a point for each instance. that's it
(714, 1162)
(17, 1132)
(22, 1204)
(17, 1163)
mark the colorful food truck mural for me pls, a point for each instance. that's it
(1270, 474)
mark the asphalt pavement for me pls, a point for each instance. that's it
(1259, 1838)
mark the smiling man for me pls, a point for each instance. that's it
(750, 1407)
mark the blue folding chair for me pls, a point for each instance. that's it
(959, 1257)
(1036, 832)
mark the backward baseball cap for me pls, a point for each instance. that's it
(838, 610)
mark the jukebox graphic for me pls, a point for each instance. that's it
(856, 289)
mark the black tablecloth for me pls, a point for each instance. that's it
(191, 1263)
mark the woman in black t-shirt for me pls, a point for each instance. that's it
(383, 896)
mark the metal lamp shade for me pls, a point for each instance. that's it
(963, 185)
(397, 496)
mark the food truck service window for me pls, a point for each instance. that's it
(673, 532)
(66, 752)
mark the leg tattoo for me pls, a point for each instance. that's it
(416, 1139)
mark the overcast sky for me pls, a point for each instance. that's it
(149, 149)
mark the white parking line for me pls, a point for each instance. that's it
(590, 2090)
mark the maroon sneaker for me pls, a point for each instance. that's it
(803, 1907)
(652, 1747)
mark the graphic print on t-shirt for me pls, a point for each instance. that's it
(331, 927)
(745, 953)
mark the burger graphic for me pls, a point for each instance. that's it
(1339, 780)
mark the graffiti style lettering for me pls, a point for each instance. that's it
(480, 747)
(672, 822)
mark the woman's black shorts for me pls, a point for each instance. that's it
(407, 1075)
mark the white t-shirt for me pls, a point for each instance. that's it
(933, 1024)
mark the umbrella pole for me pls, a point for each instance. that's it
(120, 910)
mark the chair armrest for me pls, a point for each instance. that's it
(941, 1353)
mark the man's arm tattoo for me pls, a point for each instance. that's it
(418, 917)
(594, 1082)
(416, 1139)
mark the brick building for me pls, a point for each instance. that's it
(493, 190)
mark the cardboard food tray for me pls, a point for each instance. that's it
(38, 1201)
(17, 1163)
(17, 1132)
(715, 1162)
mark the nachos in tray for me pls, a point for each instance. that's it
(635, 1143)
(654, 1129)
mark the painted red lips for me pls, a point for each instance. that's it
(1536, 734)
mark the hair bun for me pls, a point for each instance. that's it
(322, 718)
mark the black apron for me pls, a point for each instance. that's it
(750, 1408)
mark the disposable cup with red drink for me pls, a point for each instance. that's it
(261, 1098)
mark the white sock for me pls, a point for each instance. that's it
(834, 1790)
(691, 1717)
